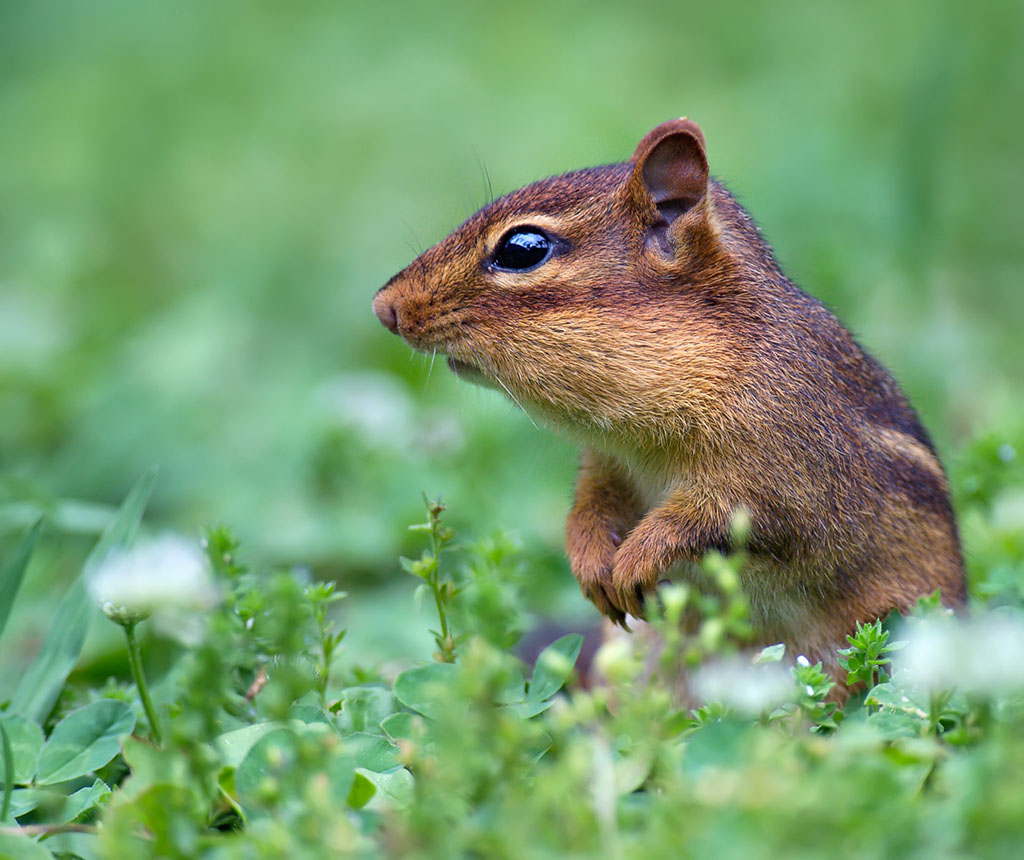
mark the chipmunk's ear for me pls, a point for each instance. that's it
(670, 171)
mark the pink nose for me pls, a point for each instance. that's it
(386, 313)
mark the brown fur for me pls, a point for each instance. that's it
(662, 334)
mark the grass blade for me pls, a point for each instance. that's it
(8, 756)
(40, 686)
(13, 571)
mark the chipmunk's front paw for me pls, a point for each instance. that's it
(591, 561)
(634, 575)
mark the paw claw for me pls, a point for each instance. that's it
(592, 562)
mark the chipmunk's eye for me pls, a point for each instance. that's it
(522, 248)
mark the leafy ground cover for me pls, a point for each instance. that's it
(254, 743)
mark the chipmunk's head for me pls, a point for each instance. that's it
(571, 293)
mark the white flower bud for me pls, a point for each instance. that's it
(983, 656)
(167, 578)
(747, 688)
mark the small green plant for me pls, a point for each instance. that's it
(258, 743)
(866, 659)
(709, 618)
(813, 686)
(428, 568)
(321, 596)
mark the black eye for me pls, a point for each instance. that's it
(522, 248)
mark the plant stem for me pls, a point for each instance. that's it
(327, 646)
(937, 703)
(436, 544)
(446, 652)
(325, 669)
(46, 829)
(8, 787)
(135, 660)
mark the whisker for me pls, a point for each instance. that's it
(417, 249)
(430, 369)
(490, 370)
(487, 177)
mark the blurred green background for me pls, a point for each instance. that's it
(198, 200)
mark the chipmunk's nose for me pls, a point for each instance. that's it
(386, 313)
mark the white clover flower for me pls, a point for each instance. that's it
(984, 656)
(747, 688)
(930, 659)
(378, 410)
(376, 406)
(167, 578)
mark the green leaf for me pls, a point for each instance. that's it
(722, 744)
(362, 708)
(529, 708)
(900, 714)
(277, 768)
(403, 725)
(24, 800)
(150, 766)
(513, 687)
(153, 821)
(13, 571)
(896, 724)
(421, 567)
(84, 740)
(75, 845)
(83, 800)
(554, 666)
(40, 686)
(55, 807)
(372, 752)
(539, 745)
(26, 739)
(424, 688)
(309, 714)
(394, 789)
(257, 779)
(22, 848)
(341, 777)
(362, 791)
(235, 745)
(894, 697)
(632, 769)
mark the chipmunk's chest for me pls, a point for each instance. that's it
(657, 468)
(653, 478)
(651, 488)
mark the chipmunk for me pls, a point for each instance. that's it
(637, 307)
